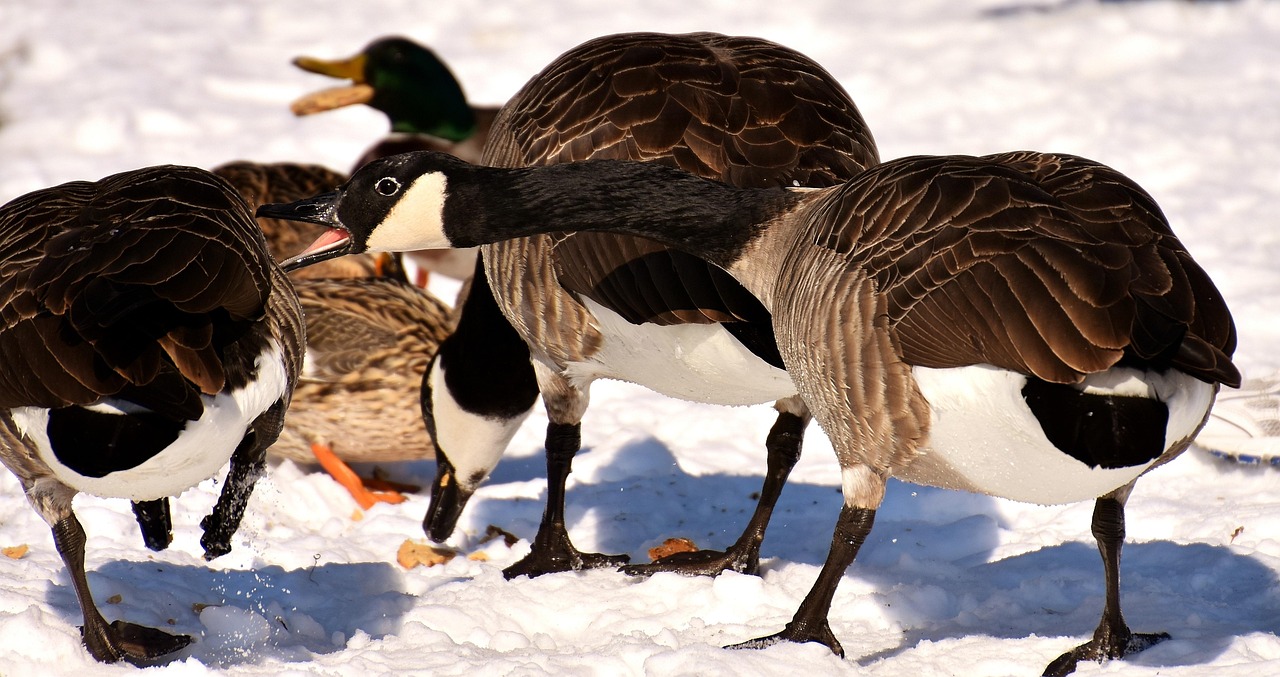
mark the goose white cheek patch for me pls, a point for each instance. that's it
(416, 221)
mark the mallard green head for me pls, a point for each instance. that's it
(401, 78)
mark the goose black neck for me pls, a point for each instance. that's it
(712, 220)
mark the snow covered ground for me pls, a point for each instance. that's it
(1182, 96)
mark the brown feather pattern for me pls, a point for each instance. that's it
(103, 280)
(741, 110)
(368, 344)
(262, 183)
(1051, 265)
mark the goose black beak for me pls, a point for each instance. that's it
(320, 210)
(447, 502)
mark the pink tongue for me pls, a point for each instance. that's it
(326, 239)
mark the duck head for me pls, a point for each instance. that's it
(404, 80)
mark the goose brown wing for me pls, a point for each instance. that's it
(1049, 265)
(110, 284)
(740, 110)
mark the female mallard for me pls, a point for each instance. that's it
(590, 306)
(1023, 325)
(357, 400)
(369, 336)
(148, 338)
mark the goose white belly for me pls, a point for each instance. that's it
(200, 450)
(984, 437)
(696, 362)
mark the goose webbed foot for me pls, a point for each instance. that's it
(106, 642)
(554, 552)
(796, 631)
(700, 563)
(121, 640)
(1112, 639)
(1107, 644)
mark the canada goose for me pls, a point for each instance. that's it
(148, 337)
(742, 110)
(369, 336)
(425, 106)
(1023, 325)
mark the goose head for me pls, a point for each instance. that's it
(394, 204)
(470, 443)
(404, 80)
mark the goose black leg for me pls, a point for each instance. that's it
(810, 621)
(1112, 639)
(247, 465)
(107, 642)
(153, 520)
(552, 551)
(783, 445)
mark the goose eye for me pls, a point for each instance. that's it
(387, 186)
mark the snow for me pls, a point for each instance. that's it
(1181, 96)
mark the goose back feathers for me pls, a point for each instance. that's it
(740, 110)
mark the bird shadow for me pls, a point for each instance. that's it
(1204, 596)
(638, 496)
(246, 616)
(931, 556)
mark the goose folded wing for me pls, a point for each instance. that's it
(1053, 266)
(159, 266)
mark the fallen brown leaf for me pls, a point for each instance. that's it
(670, 547)
(491, 532)
(16, 551)
(412, 554)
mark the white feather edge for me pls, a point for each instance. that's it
(200, 451)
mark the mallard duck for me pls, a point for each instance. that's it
(426, 108)
(421, 98)
(1023, 325)
(589, 306)
(148, 338)
(369, 336)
